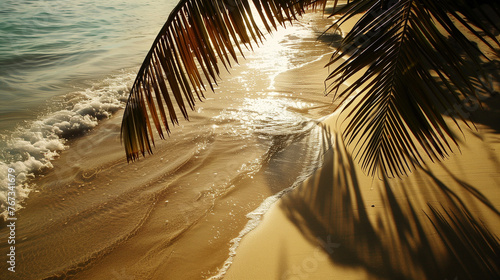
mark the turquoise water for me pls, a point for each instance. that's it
(51, 47)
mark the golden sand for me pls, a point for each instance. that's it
(439, 222)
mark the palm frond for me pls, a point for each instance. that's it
(185, 59)
(411, 76)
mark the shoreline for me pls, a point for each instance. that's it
(346, 225)
(94, 216)
(160, 218)
(398, 229)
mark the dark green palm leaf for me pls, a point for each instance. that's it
(185, 58)
(411, 76)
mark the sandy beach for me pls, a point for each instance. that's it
(439, 222)
(176, 213)
(434, 224)
(259, 186)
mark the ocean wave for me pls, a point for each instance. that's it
(30, 148)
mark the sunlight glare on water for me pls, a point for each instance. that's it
(263, 110)
(279, 51)
(269, 115)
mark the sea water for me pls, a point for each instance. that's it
(64, 65)
(66, 68)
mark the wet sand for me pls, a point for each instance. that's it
(177, 213)
(439, 222)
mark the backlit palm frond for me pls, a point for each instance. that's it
(185, 59)
(419, 65)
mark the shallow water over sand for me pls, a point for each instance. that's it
(94, 216)
(64, 67)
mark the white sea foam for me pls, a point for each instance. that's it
(30, 148)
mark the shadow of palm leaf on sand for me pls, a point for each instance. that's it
(423, 228)
(466, 236)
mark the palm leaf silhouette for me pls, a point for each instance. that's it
(184, 60)
(412, 76)
(395, 116)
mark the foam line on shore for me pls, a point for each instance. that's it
(32, 147)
